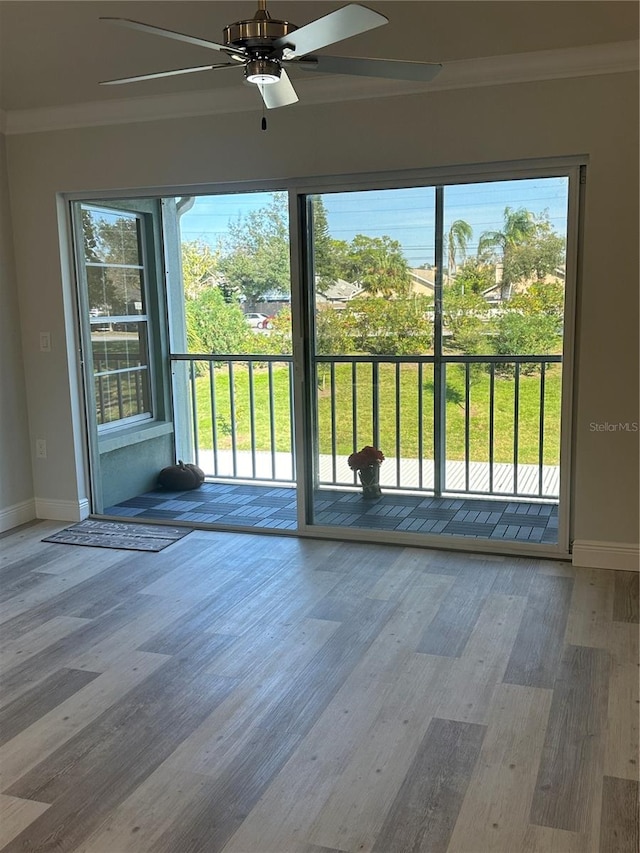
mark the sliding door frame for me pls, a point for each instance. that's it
(298, 189)
(572, 168)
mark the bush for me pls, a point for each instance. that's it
(465, 317)
(391, 326)
(278, 339)
(532, 323)
(521, 334)
(213, 325)
(335, 329)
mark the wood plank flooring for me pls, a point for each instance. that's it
(245, 694)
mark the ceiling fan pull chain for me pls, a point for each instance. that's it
(263, 123)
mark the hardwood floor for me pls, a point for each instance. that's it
(247, 694)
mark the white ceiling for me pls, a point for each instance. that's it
(54, 54)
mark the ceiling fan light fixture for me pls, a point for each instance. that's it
(262, 71)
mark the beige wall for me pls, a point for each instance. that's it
(594, 116)
(16, 484)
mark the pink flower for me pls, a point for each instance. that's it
(365, 457)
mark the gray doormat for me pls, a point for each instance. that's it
(116, 534)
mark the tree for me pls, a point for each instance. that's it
(214, 325)
(532, 323)
(526, 334)
(391, 326)
(460, 233)
(255, 257)
(518, 227)
(328, 254)
(540, 254)
(111, 239)
(199, 267)
(378, 265)
(472, 277)
(91, 238)
(465, 317)
(335, 330)
(542, 298)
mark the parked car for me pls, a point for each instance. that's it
(98, 327)
(258, 321)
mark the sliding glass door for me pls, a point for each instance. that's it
(436, 341)
(386, 359)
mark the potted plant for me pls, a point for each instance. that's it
(367, 463)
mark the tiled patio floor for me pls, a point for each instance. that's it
(248, 505)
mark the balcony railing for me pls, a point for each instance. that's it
(241, 415)
(489, 438)
(121, 392)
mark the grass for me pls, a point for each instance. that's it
(403, 441)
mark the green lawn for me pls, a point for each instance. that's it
(409, 401)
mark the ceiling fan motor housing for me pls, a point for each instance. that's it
(257, 34)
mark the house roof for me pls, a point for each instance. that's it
(422, 281)
(337, 291)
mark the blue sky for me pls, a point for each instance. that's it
(406, 215)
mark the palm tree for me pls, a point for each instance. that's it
(459, 235)
(518, 226)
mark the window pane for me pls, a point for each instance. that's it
(504, 267)
(121, 372)
(115, 291)
(110, 237)
(503, 298)
(374, 256)
(235, 272)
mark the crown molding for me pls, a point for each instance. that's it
(587, 61)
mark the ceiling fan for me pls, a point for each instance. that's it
(265, 47)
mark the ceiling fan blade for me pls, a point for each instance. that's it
(391, 69)
(160, 31)
(159, 74)
(336, 26)
(279, 94)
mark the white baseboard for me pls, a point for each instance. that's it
(62, 510)
(606, 555)
(14, 516)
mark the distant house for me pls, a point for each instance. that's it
(270, 304)
(336, 293)
(498, 293)
(423, 282)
